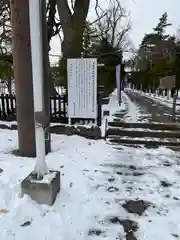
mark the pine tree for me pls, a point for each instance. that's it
(161, 26)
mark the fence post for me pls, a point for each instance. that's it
(3, 107)
(8, 111)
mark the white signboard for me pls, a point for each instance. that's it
(82, 88)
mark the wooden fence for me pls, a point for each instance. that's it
(58, 109)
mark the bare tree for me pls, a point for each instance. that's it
(114, 25)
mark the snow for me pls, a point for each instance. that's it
(104, 126)
(128, 110)
(77, 204)
(133, 113)
(47, 178)
(113, 106)
(96, 179)
(8, 124)
(84, 202)
(161, 99)
(147, 139)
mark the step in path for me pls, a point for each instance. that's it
(149, 134)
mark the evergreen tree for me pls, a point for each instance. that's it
(161, 26)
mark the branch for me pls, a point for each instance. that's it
(122, 34)
(98, 19)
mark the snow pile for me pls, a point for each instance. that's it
(133, 113)
(104, 126)
(128, 110)
(114, 108)
(79, 203)
(46, 178)
(113, 105)
(97, 180)
(123, 107)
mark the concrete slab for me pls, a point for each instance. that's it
(42, 191)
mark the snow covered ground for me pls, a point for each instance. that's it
(107, 191)
(113, 105)
(116, 111)
(133, 113)
(128, 110)
(97, 181)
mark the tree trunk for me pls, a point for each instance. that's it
(72, 26)
(23, 76)
(72, 44)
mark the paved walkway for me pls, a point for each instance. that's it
(151, 109)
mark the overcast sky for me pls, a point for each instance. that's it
(144, 15)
